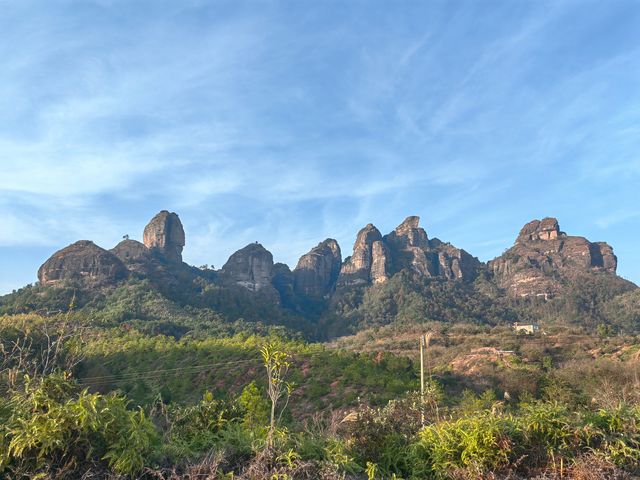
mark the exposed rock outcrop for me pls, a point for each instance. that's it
(543, 262)
(160, 258)
(139, 259)
(376, 258)
(543, 257)
(83, 263)
(408, 234)
(369, 262)
(317, 271)
(380, 262)
(282, 280)
(131, 251)
(411, 249)
(455, 263)
(545, 229)
(250, 267)
(409, 246)
(164, 234)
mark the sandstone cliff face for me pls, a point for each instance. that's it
(411, 249)
(83, 263)
(543, 256)
(541, 262)
(376, 258)
(408, 234)
(131, 251)
(164, 234)
(142, 261)
(380, 262)
(250, 267)
(282, 281)
(409, 246)
(455, 263)
(545, 229)
(317, 271)
(369, 262)
(159, 258)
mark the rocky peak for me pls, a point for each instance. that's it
(409, 223)
(164, 234)
(607, 261)
(250, 267)
(376, 258)
(366, 236)
(411, 249)
(369, 261)
(84, 263)
(545, 229)
(543, 256)
(139, 259)
(317, 271)
(409, 234)
(131, 251)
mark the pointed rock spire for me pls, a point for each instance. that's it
(369, 261)
(164, 234)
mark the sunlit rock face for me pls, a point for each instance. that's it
(136, 257)
(317, 271)
(380, 262)
(250, 267)
(83, 263)
(409, 248)
(164, 234)
(131, 251)
(412, 249)
(159, 258)
(543, 256)
(369, 262)
(376, 258)
(545, 229)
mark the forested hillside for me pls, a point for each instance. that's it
(83, 399)
(129, 363)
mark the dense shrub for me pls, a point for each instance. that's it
(53, 428)
(193, 430)
(479, 443)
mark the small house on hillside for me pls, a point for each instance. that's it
(528, 328)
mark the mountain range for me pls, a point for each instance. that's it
(401, 276)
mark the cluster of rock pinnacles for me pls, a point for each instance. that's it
(523, 270)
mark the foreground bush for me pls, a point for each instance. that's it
(538, 436)
(51, 429)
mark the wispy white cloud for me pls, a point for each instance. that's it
(288, 125)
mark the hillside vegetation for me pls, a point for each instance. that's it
(141, 404)
(130, 364)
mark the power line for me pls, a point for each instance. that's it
(183, 369)
(153, 374)
(161, 371)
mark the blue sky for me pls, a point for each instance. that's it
(289, 122)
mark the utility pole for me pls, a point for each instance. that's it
(422, 342)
